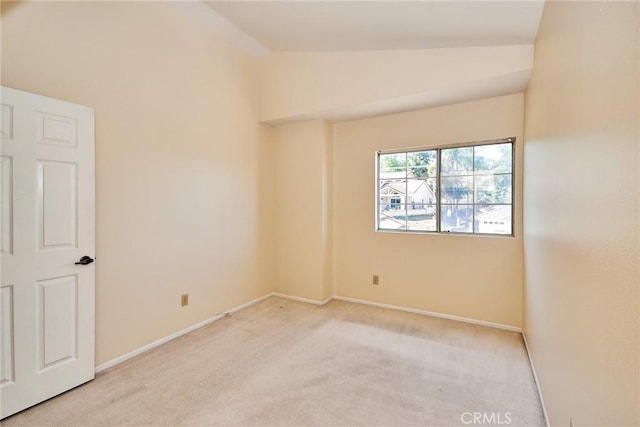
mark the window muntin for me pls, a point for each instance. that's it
(460, 189)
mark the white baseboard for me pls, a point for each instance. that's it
(154, 344)
(301, 299)
(219, 316)
(328, 300)
(535, 378)
(431, 313)
(248, 304)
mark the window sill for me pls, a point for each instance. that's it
(438, 233)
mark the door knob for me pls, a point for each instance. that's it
(85, 260)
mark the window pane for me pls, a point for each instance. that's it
(422, 219)
(420, 192)
(392, 217)
(422, 164)
(392, 191)
(456, 218)
(495, 158)
(468, 189)
(493, 189)
(393, 165)
(456, 190)
(457, 161)
(493, 219)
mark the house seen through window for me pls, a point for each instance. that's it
(459, 189)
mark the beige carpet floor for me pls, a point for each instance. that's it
(285, 363)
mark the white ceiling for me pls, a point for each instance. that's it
(377, 25)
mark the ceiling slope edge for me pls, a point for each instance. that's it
(221, 26)
(501, 85)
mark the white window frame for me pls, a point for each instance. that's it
(438, 149)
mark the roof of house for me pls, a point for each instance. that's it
(399, 187)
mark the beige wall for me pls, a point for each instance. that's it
(301, 83)
(581, 213)
(302, 167)
(183, 179)
(470, 276)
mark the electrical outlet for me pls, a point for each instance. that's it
(184, 299)
(376, 280)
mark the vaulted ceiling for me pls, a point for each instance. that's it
(381, 25)
(342, 60)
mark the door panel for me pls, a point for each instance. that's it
(6, 335)
(48, 222)
(53, 129)
(6, 193)
(57, 195)
(57, 323)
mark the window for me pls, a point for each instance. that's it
(458, 189)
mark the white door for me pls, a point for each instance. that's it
(48, 221)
